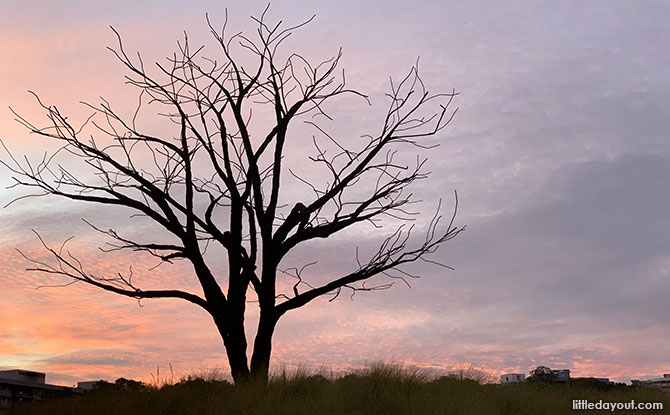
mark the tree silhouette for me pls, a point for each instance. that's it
(541, 374)
(216, 183)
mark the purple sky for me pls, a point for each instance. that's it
(559, 153)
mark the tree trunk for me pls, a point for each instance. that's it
(235, 342)
(260, 360)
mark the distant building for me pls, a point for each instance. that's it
(24, 375)
(561, 375)
(88, 385)
(24, 385)
(512, 378)
(605, 381)
(661, 383)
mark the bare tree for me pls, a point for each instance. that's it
(217, 180)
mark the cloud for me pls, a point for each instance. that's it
(587, 254)
(96, 357)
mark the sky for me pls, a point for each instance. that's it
(559, 153)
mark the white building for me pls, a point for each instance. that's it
(512, 378)
(661, 383)
(561, 375)
(18, 385)
(24, 375)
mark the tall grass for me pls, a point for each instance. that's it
(378, 389)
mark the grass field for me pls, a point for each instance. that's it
(381, 389)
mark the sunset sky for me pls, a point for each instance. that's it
(559, 152)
